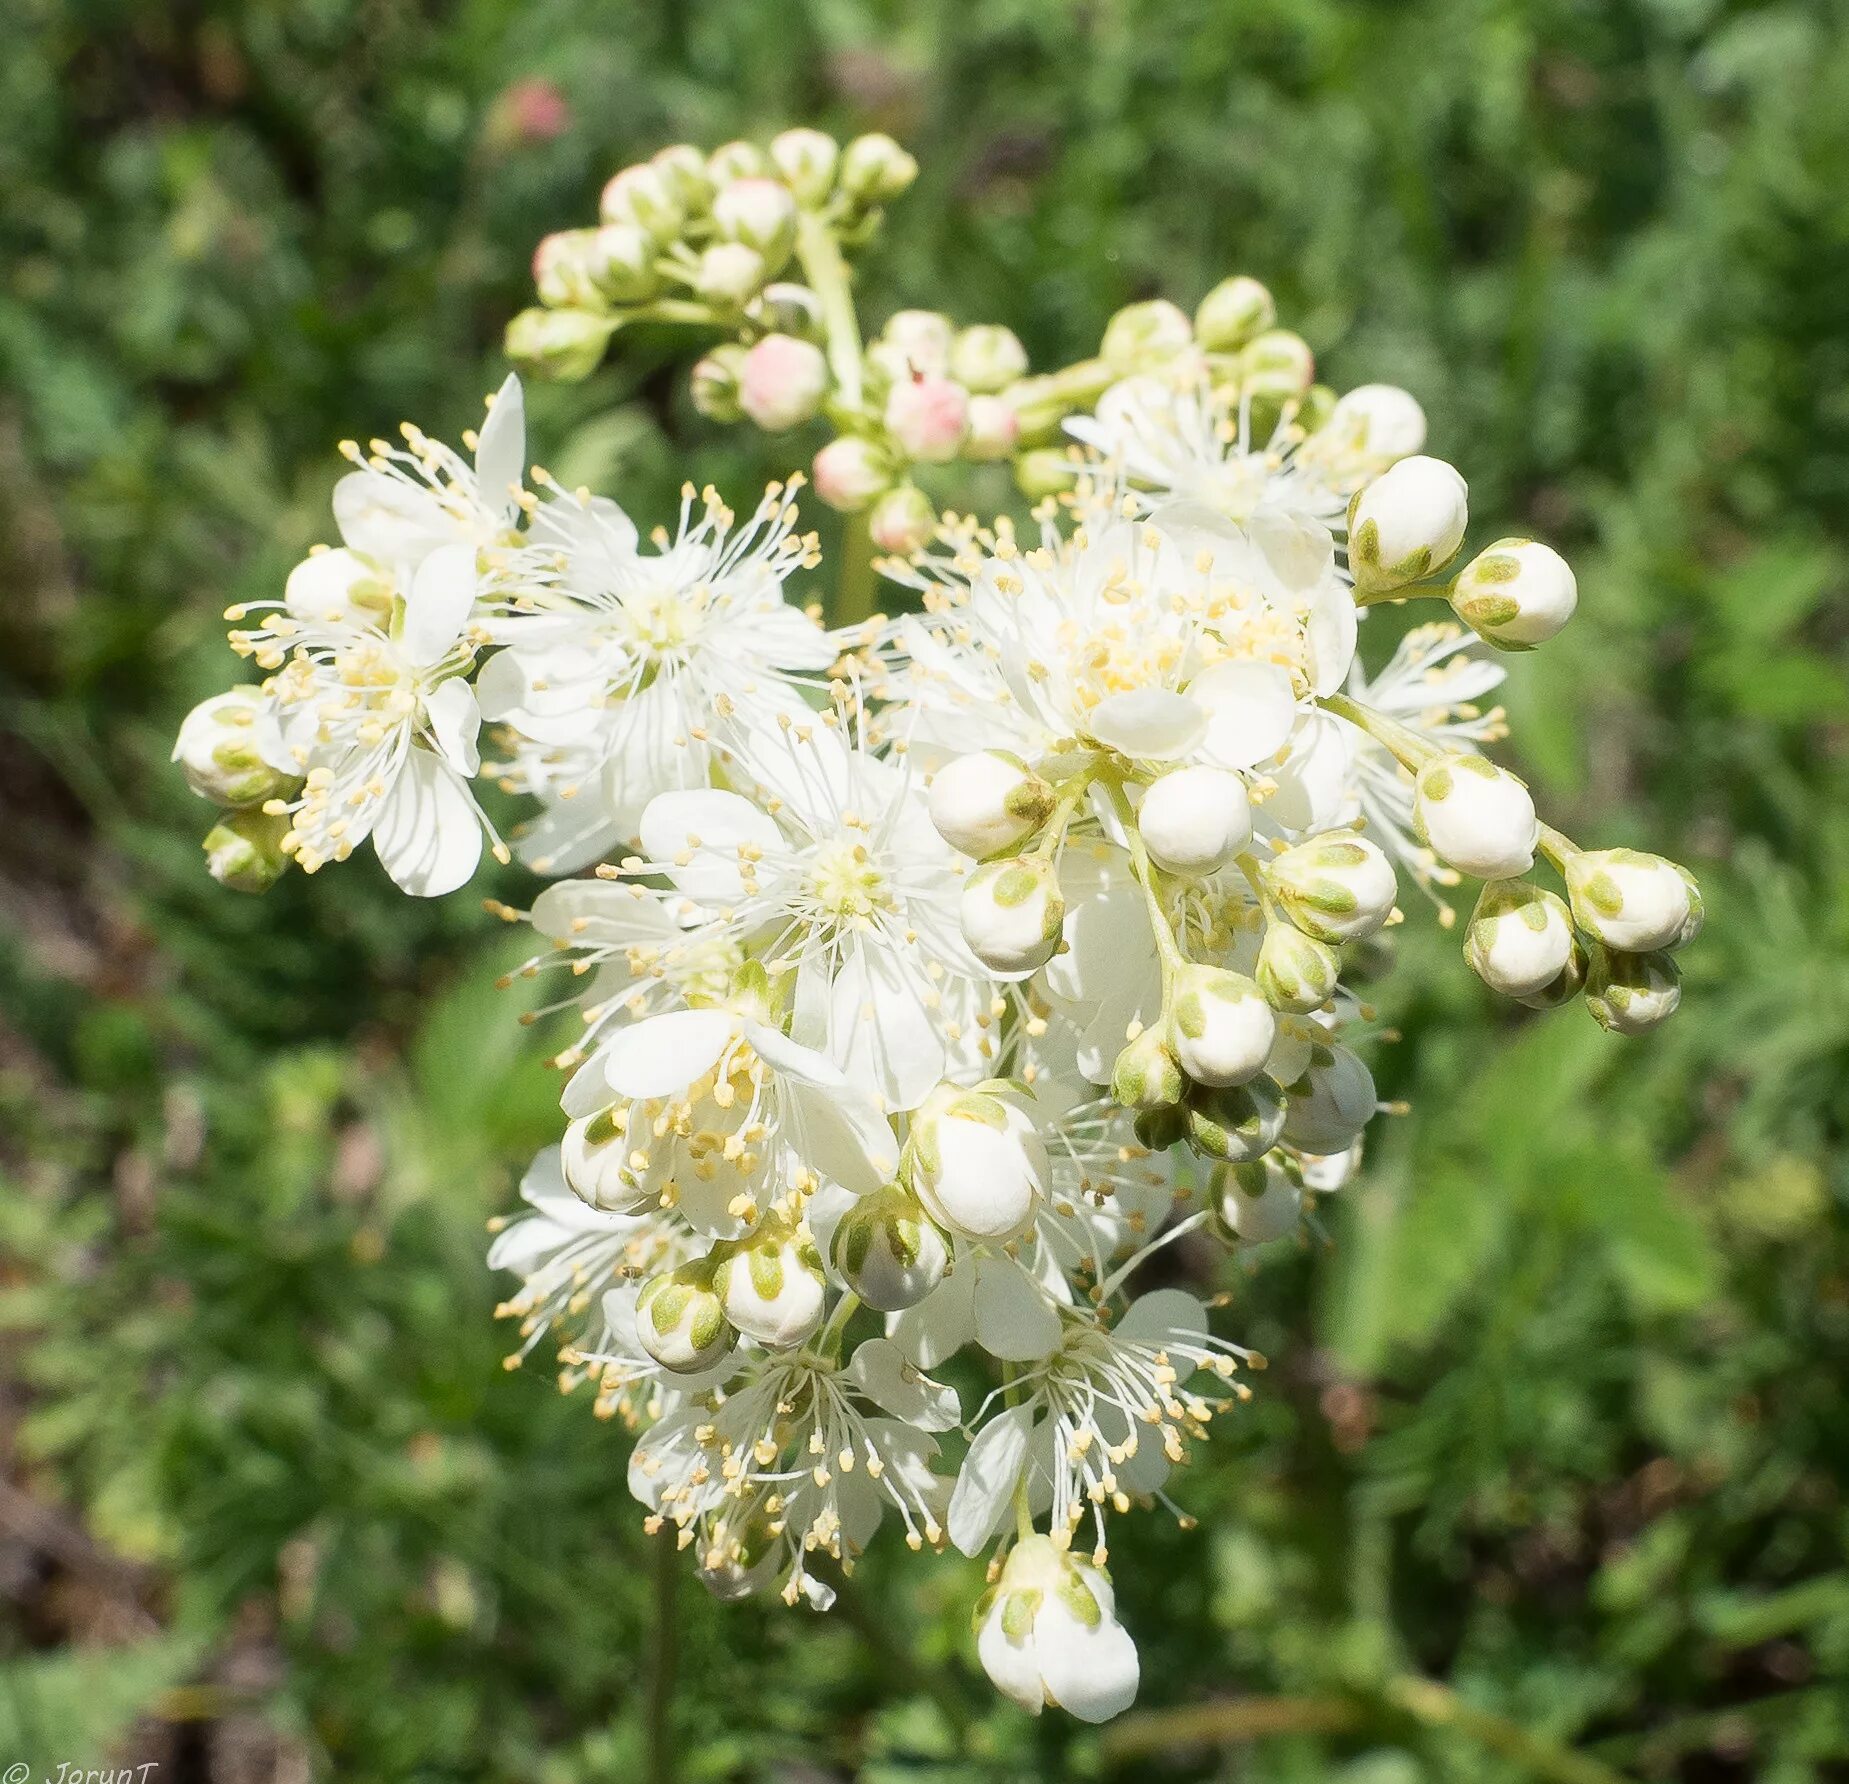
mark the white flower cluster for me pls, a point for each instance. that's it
(938, 974)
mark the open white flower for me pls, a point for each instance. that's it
(1048, 1634)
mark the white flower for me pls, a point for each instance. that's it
(1048, 1634)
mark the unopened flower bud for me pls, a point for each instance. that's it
(1145, 1075)
(1630, 901)
(875, 170)
(1697, 912)
(647, 196)
(562, 268)
(1336, 888)
(736, 161)
(1632, 993)
(977, 1163)
(1406, 524)
(916, 341)
(987, 358)
(621, 262)
(848, 473)
(1045, 471)
(1520, 938)
(760, 213)
(1048, 1634)
(1159, 1129)
(784, 307)
(342, 586)
(903, 520)
(231, 751)
(782, 382)
(1258, 1201)
(1235, 1124)
(564, 345)
(1232, 313)
(1475, 816)
(243, 850)
(1219, 1028)
(1566, 985)
(1195, 820)
(889, 1251)
(594, 1156)
(993, 430)
(1277, 364)
(715, 382)
(928, 418)
(1296, 972)
(684, 169)
(679, 1319)
(988, 802)
(1146, 337)
(730, 274)
(1012, 912)
(1371, 428)
(806, 161)
(1515, 595)
(770, 1285)
(1331, 1103)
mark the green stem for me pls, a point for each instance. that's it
(1166, 945)
(1438, 1706)
(825, 268)
(660, 1710)
(1412, 591)
(854, 590)
(1557, 847)
(1408, 747)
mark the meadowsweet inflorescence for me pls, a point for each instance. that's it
(932, 972)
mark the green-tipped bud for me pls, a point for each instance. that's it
(1296, 972)
(715, 383)
(1012, 913)
(730, 275)
(759, 213)
(1146, 337)
(988, 803)
(231, 751)
(1565, 985)
(1337, 888)
(595, 1159)
(1232, 313)
(563, 345)
(1632, 902)
(735, 161)
(806, 161)
(1235, 1124)
(621, 263)
(1632, 993)
(1159, 1129)
(680, 1322)
(851, 472)
(244, 852)
(903, 521)
(875, 170)
(987, 358)
(1276, 367)
(770, 1285)
(1220, 1028)
(1475, 817)
(684, 169)
(1520, 938)
(889, 1251)
(647, 197)
(784, 307)
(1515, 595)
(1331, 1103)
(976, 1162)
(1257, 1202)
(1407, 524)
(1146, 1075)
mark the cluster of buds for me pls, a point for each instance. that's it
(932, 973)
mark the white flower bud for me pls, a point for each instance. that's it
(340, 585)
(1336, 888)
(987, 358)
(565, 345)
(888, 1250)
(648, 197)
(715, 382)
(786, 307)
(903, 520)
(1257, 1202)
(594, 1156)
(562, 268)
(1475, 816)
(1145, 1075)
(848, 473)
(1370, 428)
(1195, 820)
(1296, 972)
(680, 1322)
(1045, 472)
(1630, 901)
(874, 169)
(1515, 595)
(1145, 337)
(230, 750)
(770, 1285)
(243, 850)
(1566, 985)
(1232, 313)
(928, 418)
(736, 161)
(1048, 1634)
(1234, 1123)
(1697, 912)
(993, 430)
(1520, 938)
(730, 274)
(760, 213)
(1631, 993)
(988, 801)
(1278, 364)
(1331, 1103)
(1406, 524)
(978, 1165)
(1011, 913)
(806, 160)
(782, 382)
(684, 169)
(621, 263)
(1220, 1028)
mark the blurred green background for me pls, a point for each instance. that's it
(1559, 1419)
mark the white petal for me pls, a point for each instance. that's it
(942, 1323)
(428, 833)
(879, 1029)
(442, 592)
(879, 1370)
(586, 1091)
(1149, 724)
(1313, 780)
(568, 834)
(500, 449)
(1331, 631)
(667, 1053)
(723, 823)
(1250, 710)
(986, 1481)
(1010, 1664)
(1090, 1670)
(597, 911)
(1165, 1315)
(389, 519)
(835, 1127)
(1013, 1320)
(455, 723)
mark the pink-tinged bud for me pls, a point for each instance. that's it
(994, 430)
(561, 267)
(929, 418)
(848, 473)
(782, 382)
(761, 214)
(529, 111)
(903, 520)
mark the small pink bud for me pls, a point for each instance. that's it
(929, 418)
(849, 472)
(782, 382)
(903, 520)
(994, 429)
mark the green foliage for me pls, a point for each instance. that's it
(1559, 1419)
